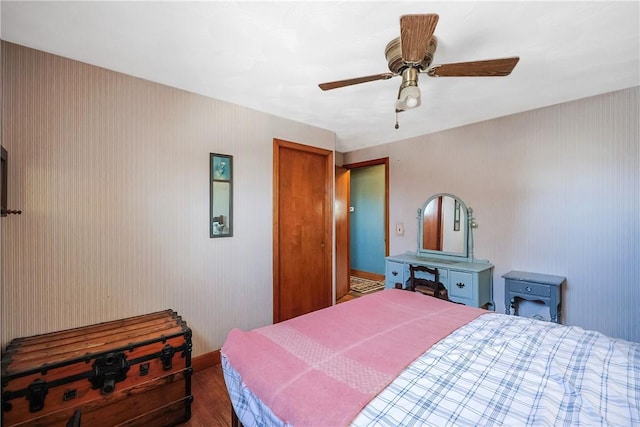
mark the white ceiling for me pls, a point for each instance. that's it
(270, 56)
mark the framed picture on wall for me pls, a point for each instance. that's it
(221, 195)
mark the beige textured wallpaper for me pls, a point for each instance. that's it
(554, 190)
(112, 175)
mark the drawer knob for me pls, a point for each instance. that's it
(395, 273)
(460, 285)
(528, 288)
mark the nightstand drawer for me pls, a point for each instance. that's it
(546, 288)
(528, 288)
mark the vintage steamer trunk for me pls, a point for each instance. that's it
(133, 372)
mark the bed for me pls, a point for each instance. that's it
(396, 358)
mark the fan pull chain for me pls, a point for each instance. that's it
(397, 125)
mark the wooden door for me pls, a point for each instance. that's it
(432, 226)
(302, 229)
(342, 231)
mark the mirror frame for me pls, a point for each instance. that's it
(220, 172)
(467, 253)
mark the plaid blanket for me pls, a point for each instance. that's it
(507, 370)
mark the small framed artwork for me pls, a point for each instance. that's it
(221, 195)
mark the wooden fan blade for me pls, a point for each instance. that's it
(489, 68)
(357, 80)
(415, 33)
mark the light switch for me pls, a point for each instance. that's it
(400, 229)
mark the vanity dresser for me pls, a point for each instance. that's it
(445, 242)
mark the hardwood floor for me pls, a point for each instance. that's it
(211, 406)
(351, 295)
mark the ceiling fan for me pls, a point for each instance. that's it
(412, 54)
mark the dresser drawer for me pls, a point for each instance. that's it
(530, 288)
(394, 274)
(460, 284)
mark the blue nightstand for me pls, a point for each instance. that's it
(533, 287)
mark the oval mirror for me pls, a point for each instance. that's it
(443, 226)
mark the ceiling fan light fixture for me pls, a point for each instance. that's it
(409, 98)
(409, 95)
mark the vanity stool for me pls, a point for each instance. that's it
(533, 287)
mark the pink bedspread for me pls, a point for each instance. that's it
(322, 368)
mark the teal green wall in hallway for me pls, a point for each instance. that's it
(367, 246)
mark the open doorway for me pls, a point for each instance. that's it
(362, 232)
